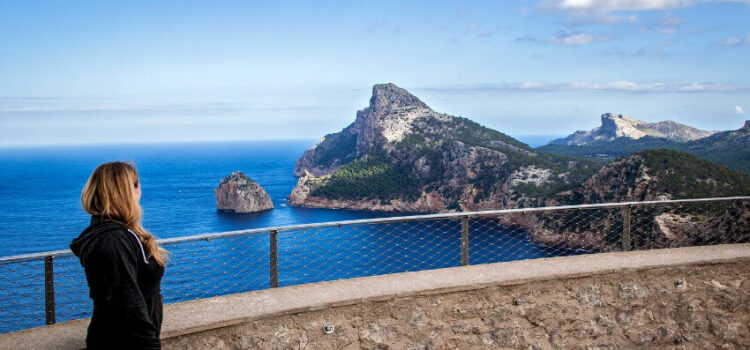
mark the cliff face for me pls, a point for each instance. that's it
(386, 120)
(400, 155)
(646, 176)
(617, 126)
(240, 194)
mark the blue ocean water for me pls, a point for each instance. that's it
(40, 189)
(39, 198)
(537, 140)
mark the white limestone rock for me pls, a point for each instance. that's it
(617, 125)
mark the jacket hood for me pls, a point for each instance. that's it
(98, 224)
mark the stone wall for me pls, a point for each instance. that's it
(677, 298)
(686, 307)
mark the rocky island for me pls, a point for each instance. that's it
(239, 194)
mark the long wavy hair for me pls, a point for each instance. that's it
(109, 193)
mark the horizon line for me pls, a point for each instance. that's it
(136, 143)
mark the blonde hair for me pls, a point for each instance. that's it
(109, 193)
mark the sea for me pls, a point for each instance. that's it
(40, 211)
(40, 189)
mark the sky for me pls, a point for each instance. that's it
(77, 72)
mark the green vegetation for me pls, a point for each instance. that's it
(525, 156)
(429, 131)
(431, 135)
(369, 177)
(338, 148)
(686, 176)
(727, 148)
(412, 141)
(487, 180)
(454, 206)
(390, 176)
(473, 133)
(610, 150)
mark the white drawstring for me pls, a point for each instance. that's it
(140, 244)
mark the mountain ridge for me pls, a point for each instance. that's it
(620, 126)
(400, 155)
(335, 150)
(730, 148)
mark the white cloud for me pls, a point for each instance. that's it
(621, 85)
(530, 85)
(624, 5)
(736, 41)
(617, 5)
(600, 18)
(739, 109)
(730, 41)
(576, 39)
(614, 86)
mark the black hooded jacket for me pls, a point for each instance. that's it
(124, 283)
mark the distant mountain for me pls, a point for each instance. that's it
(400, 155)
(645, 176)
(729, 148)
(618, 126)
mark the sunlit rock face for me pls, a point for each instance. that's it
(617, 125)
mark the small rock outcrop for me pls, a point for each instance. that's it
(617, 125)
(240, 194)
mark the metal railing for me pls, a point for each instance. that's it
(232, 262)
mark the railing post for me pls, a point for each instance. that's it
(465, 240)
(274, 268)
(625, 239)
(49, 290)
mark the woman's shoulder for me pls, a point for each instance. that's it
(105, 240)
(106, 229)
(110, 236)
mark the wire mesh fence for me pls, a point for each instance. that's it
(51, 287)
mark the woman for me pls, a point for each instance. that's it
(123, 262)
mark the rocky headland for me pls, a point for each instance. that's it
(615, 126)
(239, 194)
(400, 155)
